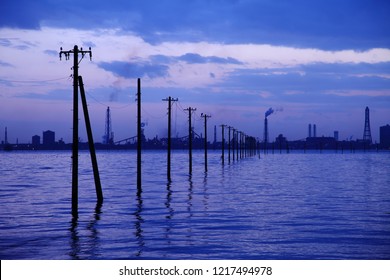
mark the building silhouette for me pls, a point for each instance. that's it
(336, 135)
(384, 136)
(48, 138)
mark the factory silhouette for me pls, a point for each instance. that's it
(311, 142)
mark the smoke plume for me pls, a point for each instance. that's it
(269, 112)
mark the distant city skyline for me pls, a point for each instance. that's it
(312, 62)
(311, 132)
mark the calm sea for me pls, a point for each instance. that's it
(280, 206)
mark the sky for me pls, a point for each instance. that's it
(312, 62)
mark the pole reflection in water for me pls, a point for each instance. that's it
(74, 240)
(205, 195)
(169, 216)
(138, 224)
(94, 232)
(89, 248)
(189, 208)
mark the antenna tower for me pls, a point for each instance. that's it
(367, 130)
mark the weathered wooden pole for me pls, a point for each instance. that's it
(229, 143)
(238, 144)
(75, 144)
(205, 116)
(139, 135)
(223, 144)
(169, 140)
(169, 99)
(233, 144)
(92, 152)
(190, 110)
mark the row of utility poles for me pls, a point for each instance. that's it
(239, 143)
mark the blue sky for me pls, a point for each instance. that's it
(319, 62)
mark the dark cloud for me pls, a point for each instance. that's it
(348, 68)
(5, 64)
(16, 43)
(135, 69)
(332, 24)
(312, 78)
(193, 58)
(5, 42)
(23, 13)
(51, 52)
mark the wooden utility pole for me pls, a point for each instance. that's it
(190, 110)
(229, 144)
(139, 135)
(234, 144)
(223, 143)
(75, 146)
(170, 100)
(95, 168)
(205, 139)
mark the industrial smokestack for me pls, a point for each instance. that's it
(314, 130)
(266, 131)
(309, 130)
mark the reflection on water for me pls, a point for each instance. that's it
(74, 240)
(279, 206)
(91, 239)
(138, 225)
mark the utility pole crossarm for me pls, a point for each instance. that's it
(75, 50)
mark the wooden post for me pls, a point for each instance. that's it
(169, 99)
(75, 145)
(205, 116)
(96, 176)
(233, 140)
(223, 143)
(139, 135)
(169, 140)
(190, 110)
(229, 144)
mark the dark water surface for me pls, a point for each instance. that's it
(282, 206)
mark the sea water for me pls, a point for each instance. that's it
(270, 206)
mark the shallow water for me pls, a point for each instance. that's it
(279, 206)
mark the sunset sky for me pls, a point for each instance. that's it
(318, 62)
